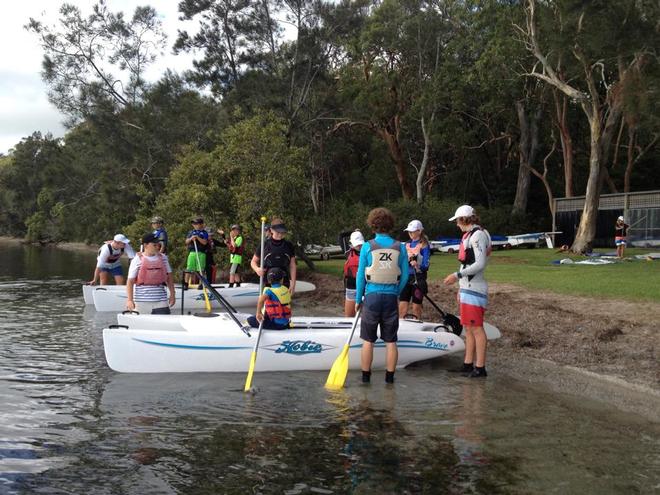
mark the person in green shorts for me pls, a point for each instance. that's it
(196, 241)
(236, 246)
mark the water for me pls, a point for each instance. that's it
(70, 425)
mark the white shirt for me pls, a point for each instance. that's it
(104, 254)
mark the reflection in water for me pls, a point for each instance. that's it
(68, 424)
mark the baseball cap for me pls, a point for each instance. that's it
(462, 211)
(157, 219)
(198, 220)
(357, 239)
(149, 238)
(275, 274)
(235, 227)
(414, 225)
(121, 238)
(620, 218)
(278, 227)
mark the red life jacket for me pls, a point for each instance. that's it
(466, 254)
(152, 272)
(237, 250)
(351, 264)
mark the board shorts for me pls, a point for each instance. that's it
(191, 262)
(115, 271)
(472, 307)
(414, 292)
(235, 268)
(620, 241)
(350, 294)
(382, 310)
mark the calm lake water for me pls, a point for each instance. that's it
(70, 425)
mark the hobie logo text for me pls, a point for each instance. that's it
(299, 347)
(435, 345)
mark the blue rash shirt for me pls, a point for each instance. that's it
(362, 287)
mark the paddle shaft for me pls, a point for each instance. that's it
(230, 309)
(253, 357)
(199, 269)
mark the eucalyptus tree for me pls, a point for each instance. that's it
(610, 42)
(97, 62)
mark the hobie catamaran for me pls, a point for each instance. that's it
(220, 342)
(113, 297)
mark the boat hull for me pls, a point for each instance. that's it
(113, 297)
(189, 343)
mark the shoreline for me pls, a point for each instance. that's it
(567, 344)
(572, 353)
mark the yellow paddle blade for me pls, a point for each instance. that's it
(206, 300)
(248, 380)
(339, 370)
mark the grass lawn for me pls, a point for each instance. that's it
(635, 280)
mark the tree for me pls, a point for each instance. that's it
(609, 41)
(97, 62)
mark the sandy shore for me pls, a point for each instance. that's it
(602, 350)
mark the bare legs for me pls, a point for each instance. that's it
(367, 355)
(475, 344)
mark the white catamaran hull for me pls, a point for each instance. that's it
(189, 343)
(113, 297)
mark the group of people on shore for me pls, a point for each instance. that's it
(385, 279)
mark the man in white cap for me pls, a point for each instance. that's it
(108, 262)
(473, 254)
(620, 236)
(350, 271)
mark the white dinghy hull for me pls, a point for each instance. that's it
(113, 297)
(189, 343)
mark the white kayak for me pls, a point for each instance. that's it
(113, 297)
(215, 343)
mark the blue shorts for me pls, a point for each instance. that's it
(117, 271)
(350, 294)
(620, 242)
(379, 310)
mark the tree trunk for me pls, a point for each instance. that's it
(529, 140)
(561, 108)
(390, 135)
(421, 173)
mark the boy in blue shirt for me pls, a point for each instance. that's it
(382, 275)
(196, 241)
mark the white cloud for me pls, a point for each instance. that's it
(23, 95)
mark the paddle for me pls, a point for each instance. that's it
(253, 357)
(228, 307)
(199, 268)
(448, 319)
(339, 370)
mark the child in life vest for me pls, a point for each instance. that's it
(419, 259)
(350, 271)
(274, 305)
(148, 276)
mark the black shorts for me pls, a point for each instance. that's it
(379, 309)
(414, 292)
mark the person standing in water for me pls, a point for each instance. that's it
(473, 254)
(382, 275)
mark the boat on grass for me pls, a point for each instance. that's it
(214, 342)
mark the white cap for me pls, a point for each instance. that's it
(620, 218)
(414, 225)
(462, 211)
(121, 238)
(357, 239)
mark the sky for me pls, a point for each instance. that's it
(24, 106)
